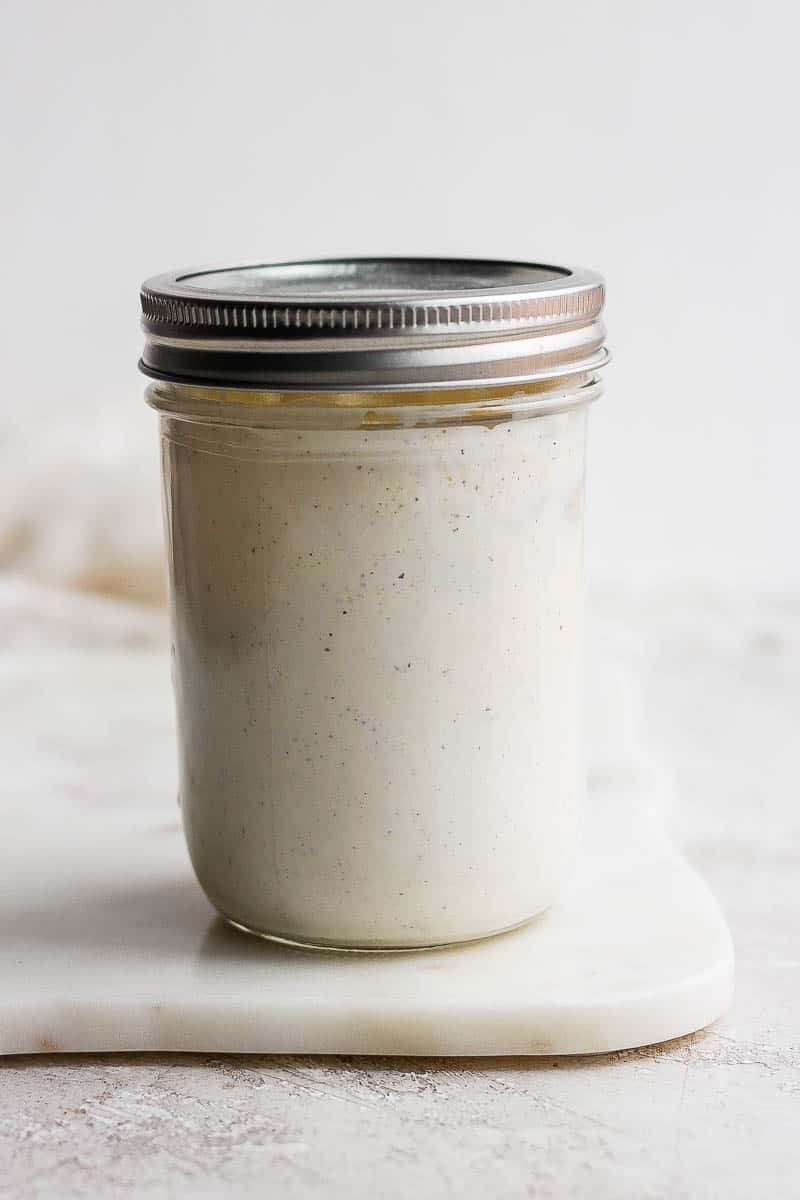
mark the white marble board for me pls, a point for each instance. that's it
(107, 943)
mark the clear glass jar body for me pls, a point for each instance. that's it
(377, 657)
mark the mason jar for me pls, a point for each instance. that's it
(373, 493)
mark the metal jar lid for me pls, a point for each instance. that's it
(372, 324)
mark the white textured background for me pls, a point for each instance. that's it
(654, 142)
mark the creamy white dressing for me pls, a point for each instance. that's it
(377, 672)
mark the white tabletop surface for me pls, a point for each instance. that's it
(713, 1115)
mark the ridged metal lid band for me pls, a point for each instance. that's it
(224, 318)
(372, 323)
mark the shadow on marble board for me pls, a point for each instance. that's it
(160, 916)
(172, 918)
(152, 919)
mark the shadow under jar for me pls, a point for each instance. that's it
(373, 492)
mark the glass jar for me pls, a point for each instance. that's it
(373, 491)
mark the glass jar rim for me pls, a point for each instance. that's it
(372, 410)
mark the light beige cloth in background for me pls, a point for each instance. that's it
(80, 501)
